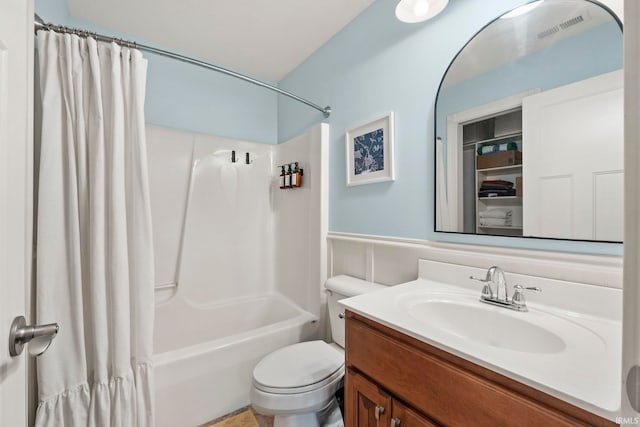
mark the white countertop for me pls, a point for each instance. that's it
(586, 373)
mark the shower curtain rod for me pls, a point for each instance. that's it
(40, 25)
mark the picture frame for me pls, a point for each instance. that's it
(369, 149)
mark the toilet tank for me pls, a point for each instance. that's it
(341, 287)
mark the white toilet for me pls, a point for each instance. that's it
(297, 384)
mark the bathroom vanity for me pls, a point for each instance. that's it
(395, 380)
(429, 352)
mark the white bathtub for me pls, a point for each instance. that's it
(204, 356)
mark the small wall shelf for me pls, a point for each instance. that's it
(290, 175)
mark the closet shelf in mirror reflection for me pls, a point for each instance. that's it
(500, 198)
(514, 135)
(502, 227)
(500, 169)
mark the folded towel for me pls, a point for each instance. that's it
(501, 182)
(496, 187)
(489, 148)
(497, 193)
(498, 213)
(495, 222)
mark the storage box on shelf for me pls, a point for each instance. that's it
(499, 159)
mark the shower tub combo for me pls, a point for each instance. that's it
(204, 356)
(216, 226)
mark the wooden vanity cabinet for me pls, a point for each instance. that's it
(406, 417)
(418, 385)
(372, 407)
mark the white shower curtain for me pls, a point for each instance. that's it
(94, 242)
(443, 219)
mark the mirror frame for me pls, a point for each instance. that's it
(435, 134)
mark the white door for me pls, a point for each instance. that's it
(16, 159)
(572, 160)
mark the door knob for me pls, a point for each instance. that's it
(21, 333)
(395, 422)
(378, 411)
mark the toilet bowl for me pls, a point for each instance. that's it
(298, 381)
(297, 384)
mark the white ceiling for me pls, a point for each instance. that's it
(265, 39)
(506, 40)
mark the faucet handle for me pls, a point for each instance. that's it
(527, 288)
(518, 296)
(486, 289)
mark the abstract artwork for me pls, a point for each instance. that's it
(370, 152)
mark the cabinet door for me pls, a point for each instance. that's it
(365, 404)
(405, 417)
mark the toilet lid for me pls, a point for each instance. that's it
(298, 365)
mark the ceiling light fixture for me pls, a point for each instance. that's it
(412, 11)
(522, 10)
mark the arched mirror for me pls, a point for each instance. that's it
(529, 126)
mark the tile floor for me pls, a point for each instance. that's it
(243, 417)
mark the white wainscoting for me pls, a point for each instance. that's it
(391, 261)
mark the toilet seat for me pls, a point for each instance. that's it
(299, 368)
(336, 376)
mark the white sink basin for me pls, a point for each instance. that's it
(465, 318)
(487, 326)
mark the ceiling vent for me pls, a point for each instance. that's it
(548, 32)
(571, 22)
(562, 26)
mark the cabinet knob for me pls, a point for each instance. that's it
(395, 422)
(379, 410)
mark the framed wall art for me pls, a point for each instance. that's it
(370, 152)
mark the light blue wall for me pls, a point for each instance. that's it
(378, 64)
(187, 97)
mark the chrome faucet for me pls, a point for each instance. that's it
(495, 275)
